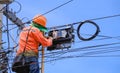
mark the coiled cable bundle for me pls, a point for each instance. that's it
(91, 37)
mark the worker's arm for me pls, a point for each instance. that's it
(42, 39)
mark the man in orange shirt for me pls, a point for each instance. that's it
(31, 38)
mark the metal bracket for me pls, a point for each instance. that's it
(11, 16)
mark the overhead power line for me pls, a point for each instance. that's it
(88, 54)
(43, 13)
(99, 18)
(51, 10)
(104, 17)
(83, 48)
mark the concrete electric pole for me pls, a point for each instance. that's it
(2, 2)
(1, 26)
(3, 57)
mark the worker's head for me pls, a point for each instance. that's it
(39, 21)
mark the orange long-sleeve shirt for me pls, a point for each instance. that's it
(35, 38)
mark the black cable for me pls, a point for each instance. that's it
(105, 17)
(58, 55)
(117, 37)
(47, 12)
(7, 29)
(101, 52)
(95, 46)
(90, 54)
(90, 51)
(8, 34)
(19, 5)
(13, 28)
(86, 48)
(93, 36)
(82, 49)
(26, 18)
(85, 56)
(101, 39)
(76, 56)
(66, 57)
(94, 51)
(51, 10)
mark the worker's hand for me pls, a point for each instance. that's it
(50, 38)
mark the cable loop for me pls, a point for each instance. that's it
(93, 36)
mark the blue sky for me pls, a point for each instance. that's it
(75, 11)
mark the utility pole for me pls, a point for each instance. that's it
(1, 26)
(3, 61)
(2, 2)
(42, 60)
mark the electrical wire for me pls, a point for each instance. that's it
(97, 52)
(117, 37)
(7, 6)
(101, 39)
(13, 28)
(78, 56)
(100, 18)
(46, 12)
(90, 54)
(89, 46)
(104, 17)
(83, 48)
(104, 37)
(101, 52)
(7, 29)
(91, 37)
(87, 55)
(51, 10)
(19, 5)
